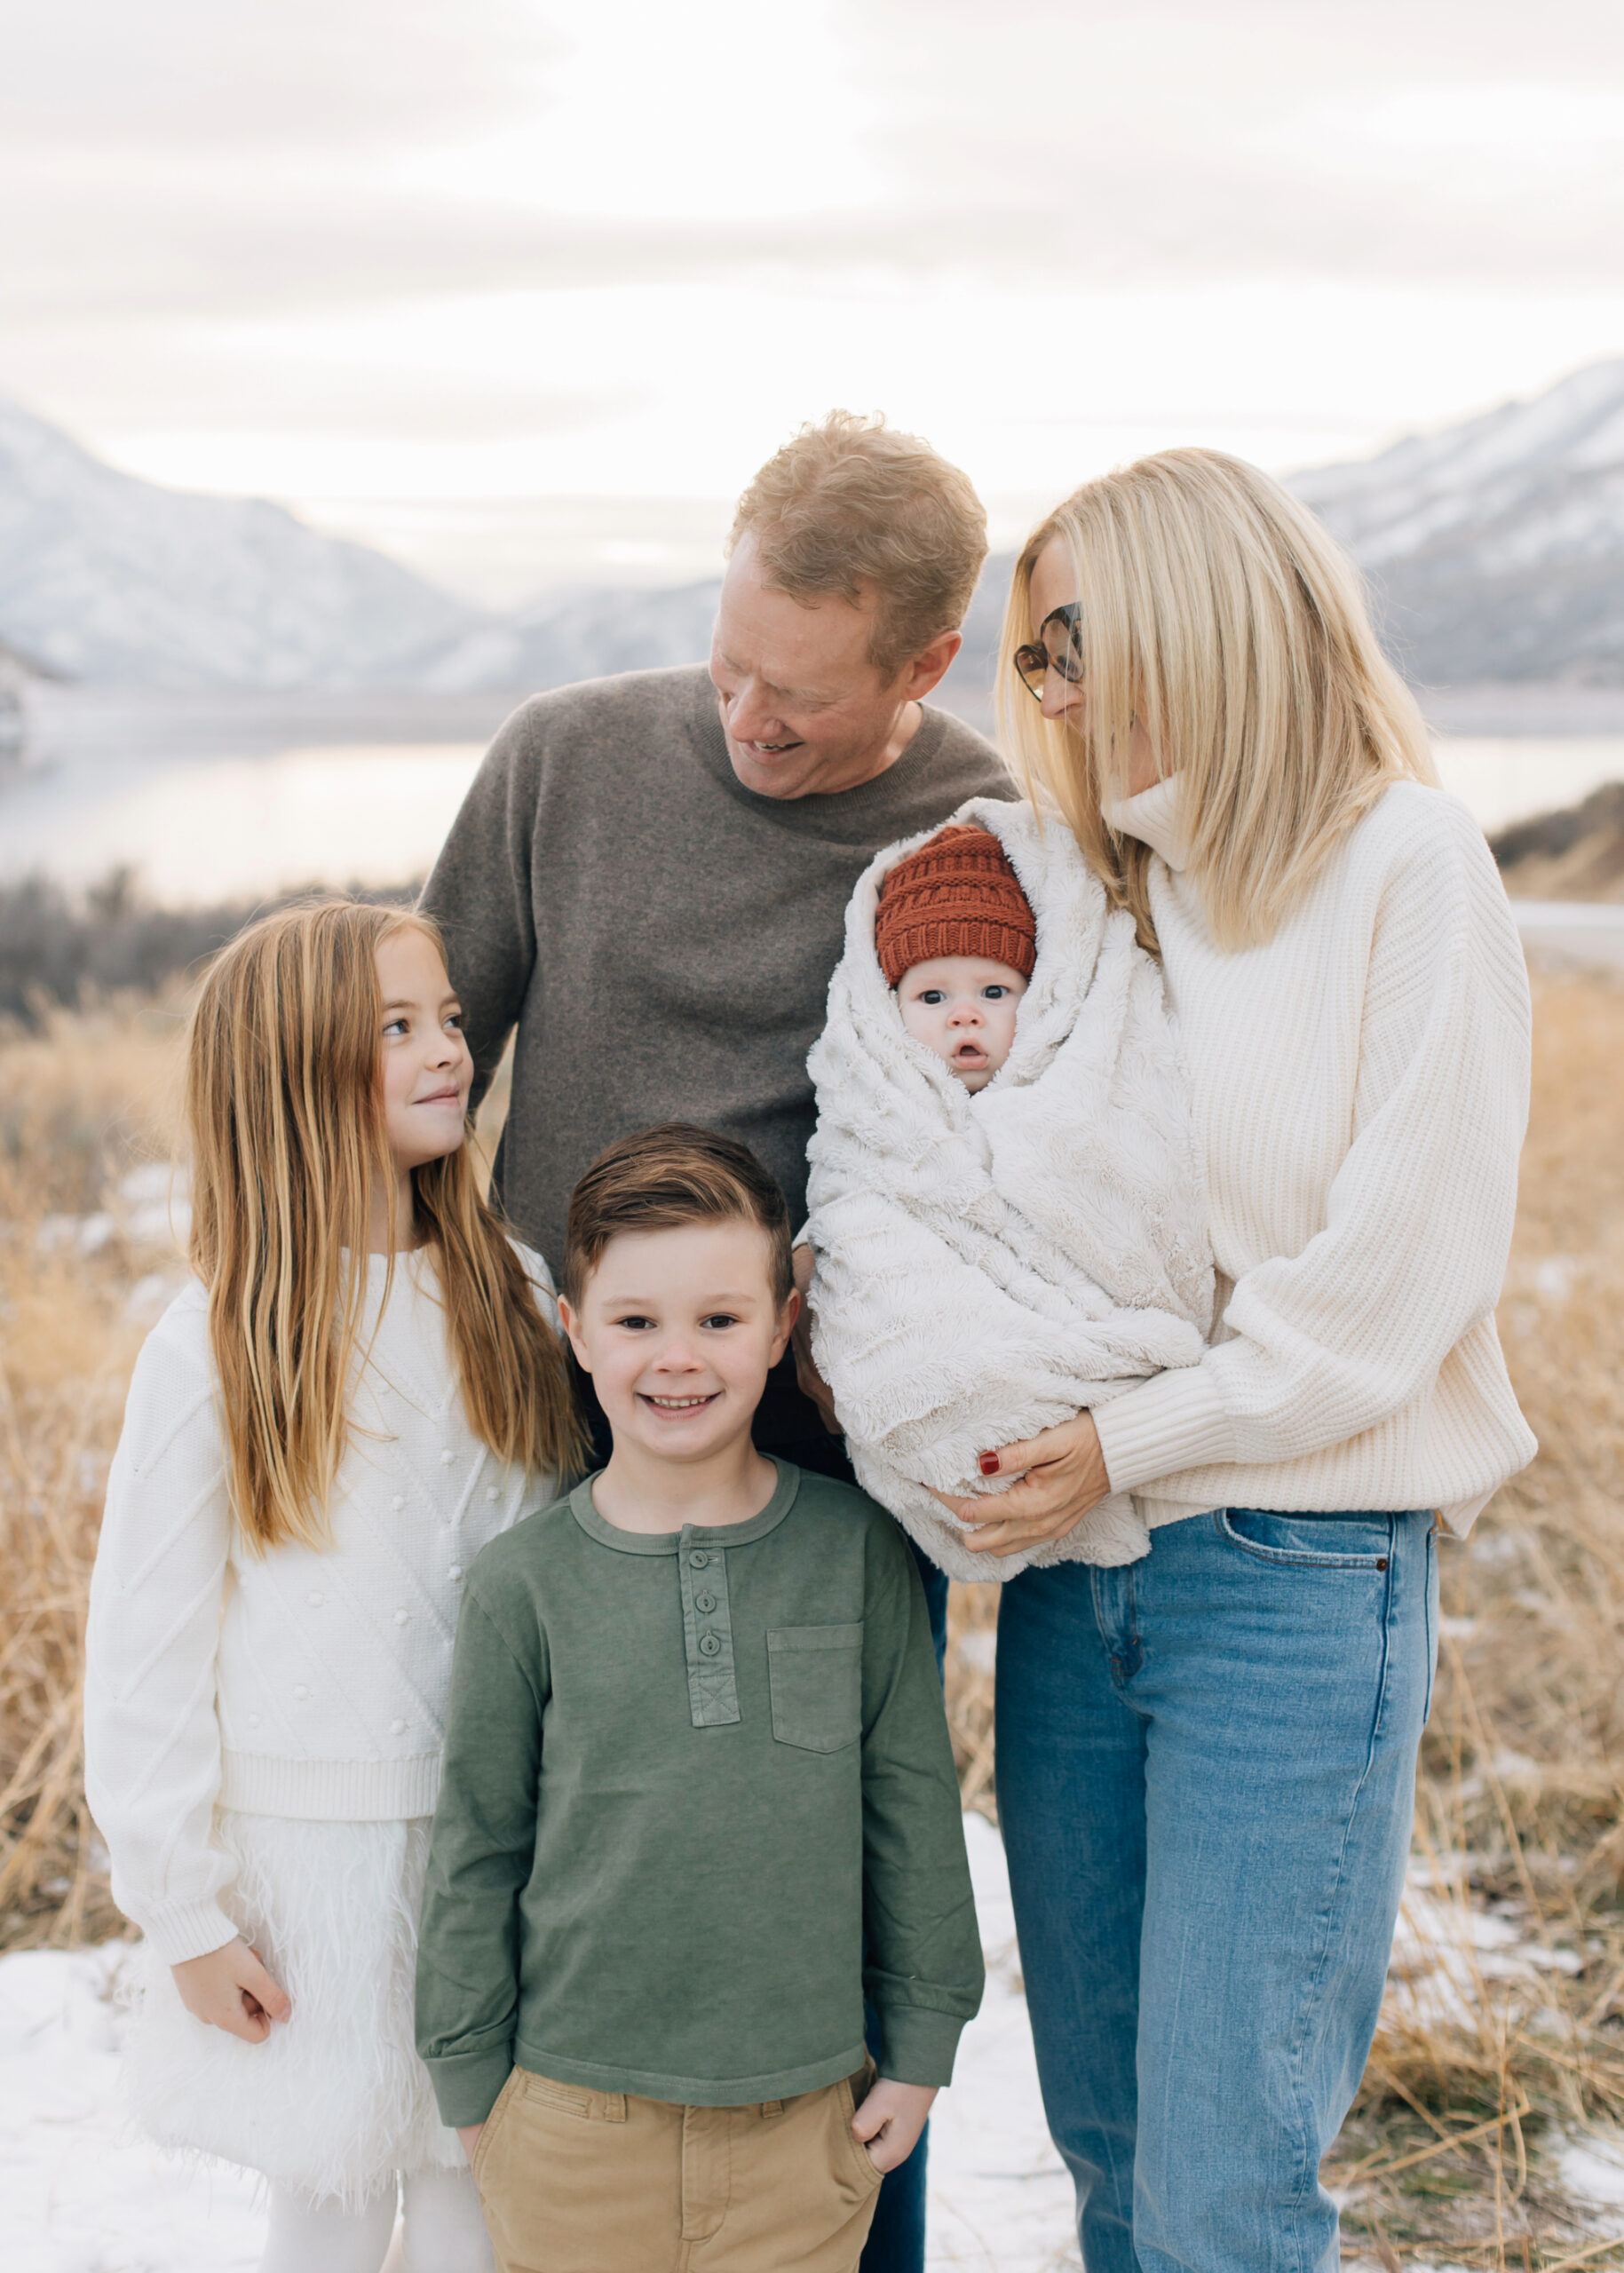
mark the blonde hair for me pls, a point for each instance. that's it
(284, 1105)
(849, 505)
(1218, 612)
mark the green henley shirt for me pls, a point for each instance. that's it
(682, 1770)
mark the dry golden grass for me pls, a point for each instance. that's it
(1484, 2059)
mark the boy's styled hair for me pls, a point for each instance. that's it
(850, 503)
(667, 1177)
(284, 1104)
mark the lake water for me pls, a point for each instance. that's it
(225, 797)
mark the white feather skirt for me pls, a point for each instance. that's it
(335, 2101)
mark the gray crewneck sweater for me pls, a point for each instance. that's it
(662, 936)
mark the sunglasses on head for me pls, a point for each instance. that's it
(1058, 647)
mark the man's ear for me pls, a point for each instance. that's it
(787, 1318)
(929, 668)
(571, 1323)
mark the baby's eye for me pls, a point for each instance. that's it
(932, 994)
(994, 994)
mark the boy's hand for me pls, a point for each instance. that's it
(890, 2120)
(808, 1379)
(230, 1988)
(469, 2134)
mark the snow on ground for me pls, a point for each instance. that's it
(82, 2195)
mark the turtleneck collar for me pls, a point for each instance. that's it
(1155, 818)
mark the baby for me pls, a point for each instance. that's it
(957, 938)
(1006, 1202)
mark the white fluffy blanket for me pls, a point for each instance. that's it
(989, 1265)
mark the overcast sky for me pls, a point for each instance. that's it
(525, 290)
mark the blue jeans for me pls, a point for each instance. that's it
(1206, 1781)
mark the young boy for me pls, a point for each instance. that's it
(696, 1742)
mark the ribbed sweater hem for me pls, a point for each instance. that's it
(1174, 1420)
(180, 1931)
(331, 1791)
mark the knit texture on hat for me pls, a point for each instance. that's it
(957, 895)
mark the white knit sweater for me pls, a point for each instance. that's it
(300, 1683)
(1360, 1092)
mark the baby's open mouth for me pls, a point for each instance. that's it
(970, 1053)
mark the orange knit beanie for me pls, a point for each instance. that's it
(957, 895)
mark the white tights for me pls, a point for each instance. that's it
(444, 2231)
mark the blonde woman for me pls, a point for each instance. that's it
(1206, 1759)
(363, 1385)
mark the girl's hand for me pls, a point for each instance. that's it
(230, 1988)
(890, 2120)
(1063, 1475)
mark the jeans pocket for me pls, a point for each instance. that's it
(816, 1676)
(1314, 1542)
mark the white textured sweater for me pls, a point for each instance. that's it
(1360, 1092)
(300, 1683)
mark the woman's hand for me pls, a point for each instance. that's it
(1063, 1475)
(890, 2120)
(230, 1988)
(809, 1379)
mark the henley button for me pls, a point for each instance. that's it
(704, 1604)
(710, 1645)
(697, 1560)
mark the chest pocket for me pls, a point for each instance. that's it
(816, 1674)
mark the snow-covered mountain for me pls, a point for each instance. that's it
(1496, 548)
(1496, 551)
(105, 577)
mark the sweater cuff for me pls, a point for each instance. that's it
(1173, 1422)
(182, 1930)
(467, 2085)
(919, 2044)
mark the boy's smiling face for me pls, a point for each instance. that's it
(963, 1007)
(680, 1329)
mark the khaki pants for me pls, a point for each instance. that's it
(575, 2181)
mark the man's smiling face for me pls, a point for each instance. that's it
(804, 709)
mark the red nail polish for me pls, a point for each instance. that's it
(988, 1463)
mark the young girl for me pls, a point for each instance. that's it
(363, 1386)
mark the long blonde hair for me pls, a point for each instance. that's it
(284, 1103)
(1220, 615)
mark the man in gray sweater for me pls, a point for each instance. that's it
(649, 876)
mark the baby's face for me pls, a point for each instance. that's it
(963, 1008)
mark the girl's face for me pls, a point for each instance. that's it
(427, 1070)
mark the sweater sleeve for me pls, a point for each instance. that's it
(481, 1858)
(1327, 1344)
(152, 1739)
(924, 1969)
(479, 891)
